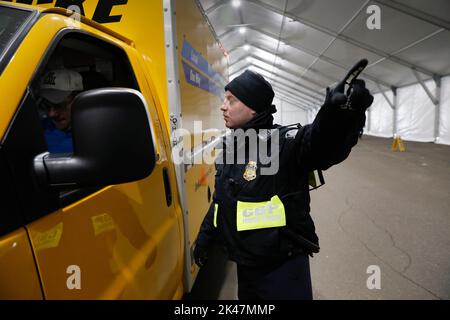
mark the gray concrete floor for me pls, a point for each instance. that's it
(382, 208)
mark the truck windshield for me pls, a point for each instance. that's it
(12, 29)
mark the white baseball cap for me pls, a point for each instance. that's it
(57, 85)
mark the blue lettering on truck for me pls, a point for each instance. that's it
(199, 73)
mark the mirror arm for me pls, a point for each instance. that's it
(41, 170)
(49, 168)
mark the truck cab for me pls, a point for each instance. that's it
(86, 238)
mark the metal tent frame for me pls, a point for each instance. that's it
(303, 46)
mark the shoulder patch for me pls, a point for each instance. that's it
(291, 134)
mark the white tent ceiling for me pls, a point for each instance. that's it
(303, 46)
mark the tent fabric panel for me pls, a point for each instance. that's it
(432, 54)
(296, 33)
(439, 8)
(416, 113)
(381, 117)
(397, 30)
(347, 54)
(397, 75)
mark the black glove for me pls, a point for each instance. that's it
(360, 98)
(357, 97)
(200, 255)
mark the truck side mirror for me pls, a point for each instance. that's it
(112, 141)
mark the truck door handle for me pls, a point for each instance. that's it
(167, 188)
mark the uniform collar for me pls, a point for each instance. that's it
(262, 120)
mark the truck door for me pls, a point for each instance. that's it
(18, 276)
(95, 243)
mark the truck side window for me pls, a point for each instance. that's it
(78, 63)
(42, 124)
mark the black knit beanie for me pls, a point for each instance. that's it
(253, 90)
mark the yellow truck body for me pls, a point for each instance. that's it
(125, 241)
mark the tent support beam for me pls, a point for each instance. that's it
(395, 107)
(340, 37)
(328, 77)
(317, 84)
(369, 117)
(415, 13)
(287, 72)
(391, 103)
(312, 53)
(437, 112)
(318, 93)
(276, 87)
(298, 94)
(299, 100)
(433, 98)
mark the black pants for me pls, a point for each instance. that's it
(288, 281)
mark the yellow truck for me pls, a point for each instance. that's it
(115, 218)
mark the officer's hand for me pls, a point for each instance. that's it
(357, 97)
(335, 98)
(200, 255)
(360, 98)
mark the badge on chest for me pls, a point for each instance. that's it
(250, 171)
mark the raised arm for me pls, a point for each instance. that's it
(330, 138)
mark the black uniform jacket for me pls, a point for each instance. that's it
(325, 142)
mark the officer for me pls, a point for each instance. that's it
(264, 221)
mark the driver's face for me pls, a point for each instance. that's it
(61, 113)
